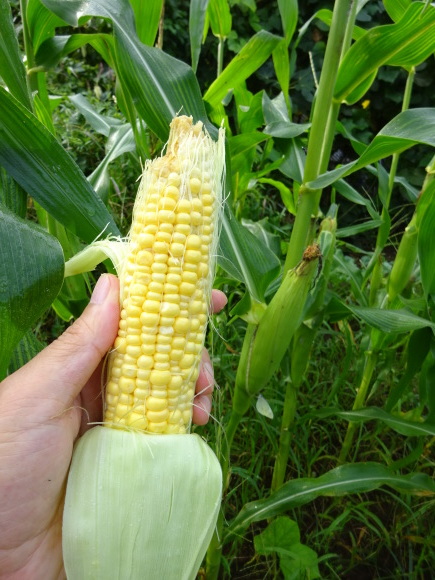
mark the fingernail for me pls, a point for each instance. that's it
(205, 403)
(209, 373)
(101, 290)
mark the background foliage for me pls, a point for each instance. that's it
(329, 469)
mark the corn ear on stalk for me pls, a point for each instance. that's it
(405, 260)
(143, 494)
(270, 340)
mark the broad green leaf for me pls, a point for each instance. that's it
(350, 478)
(288, 10)
(30, 277)
(249, 109)
(220, 17)
(277, 119)
(245, 258)
(359, 228)
(100, 123)
(405, 130)
(11, 194)
(120, 141)
(351, 194)
(34, 158)
(407, 43)
(54, 49)
(255, 52)
(243, 148)
(294, 158)
(12, 69)
(326, 17)
(161, 86)
(285, 192)
(27, 348)
(402, 426)
(282, 537)
(418, 348)
(41, 23)
(426, 238)
(391, 320)
(262, 232)
(147, 16)
(281, 63)
(396, 8)
(197, 14)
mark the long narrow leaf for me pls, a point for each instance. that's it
(407, 43)
(351, 478)
(12, 69)
(41, 23)
(426, 238)
(402, 426)
(31, 275)
(405, 130)
(197, 14)
(44, 169)
(161, 86)
(245, 258)
(147, 15)
(255, 52)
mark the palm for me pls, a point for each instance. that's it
(37, 442)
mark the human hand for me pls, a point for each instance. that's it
(44, 406)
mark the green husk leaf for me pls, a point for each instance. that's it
(128, 506)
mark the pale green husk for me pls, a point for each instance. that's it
(139, 506)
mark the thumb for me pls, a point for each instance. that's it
(57, 374)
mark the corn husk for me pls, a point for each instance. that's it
(139, 506)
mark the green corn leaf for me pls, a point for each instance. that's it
(394, 321)
(100, 123)
(277, 119)
(246, 258)
(220, 17)
(281, 63)
(350, 478)
(403, 426)
(147, 17)
(30, 278)
(255, 52)
(405, 130)
(34, 158)
(396, 8)
(11, 194)
(288, 10)
(41, 23)
(407, 43)
(197, 16)
(418, 348)
(12, 70)
(120, 140)
(426, 238)
(54, 49)
(161, 86)
(27, 348)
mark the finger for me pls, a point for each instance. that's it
(56, 375)
(218, 301)
(204, 390)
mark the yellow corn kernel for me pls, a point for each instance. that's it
(166, 285)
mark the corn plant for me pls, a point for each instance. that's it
(288, 299)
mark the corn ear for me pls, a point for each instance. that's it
(142, 501)
(268, 342)
(404, 261)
